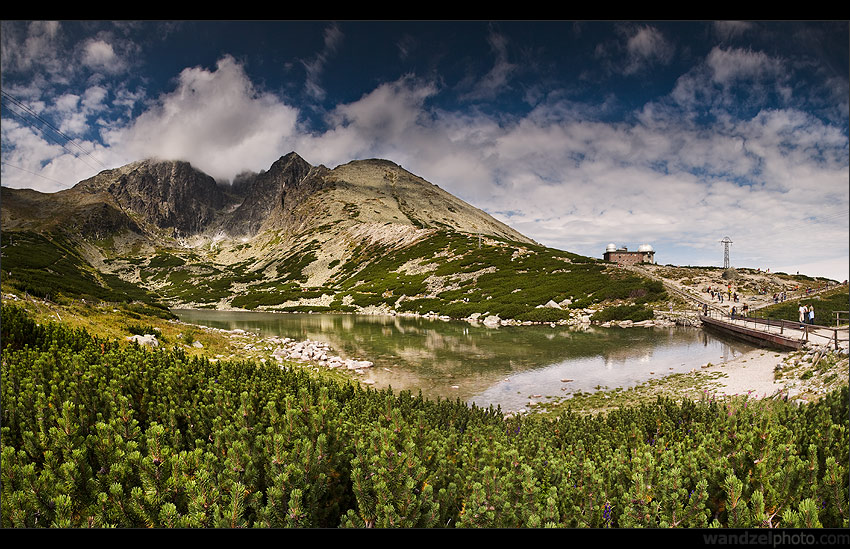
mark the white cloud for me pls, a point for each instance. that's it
(99, 55)
(379, 123)
(729, 65)
(93, 98)
(492, 83)
(315, 66)
(33, 162)
(214, 119)
(39, 48)
(645, 47)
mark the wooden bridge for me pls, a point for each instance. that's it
(765, 332)
(770, 332)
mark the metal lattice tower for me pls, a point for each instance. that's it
(726, 241)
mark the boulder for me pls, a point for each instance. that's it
(147, 340)
(492, 320)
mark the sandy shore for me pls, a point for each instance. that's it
(751, 373)
(802, 375)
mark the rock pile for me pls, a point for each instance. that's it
(287, 349)
(316, 352)
(659, 322)
(313, 351)
(578, 318)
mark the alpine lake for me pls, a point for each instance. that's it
(508, 366)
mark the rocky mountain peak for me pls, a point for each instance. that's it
(272, 193)
(164, 194)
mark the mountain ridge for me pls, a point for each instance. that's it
(365, 236)
(172, 195)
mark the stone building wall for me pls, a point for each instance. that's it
(630, 258)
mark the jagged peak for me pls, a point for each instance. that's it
(290, 159)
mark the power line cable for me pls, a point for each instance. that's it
(33, 173)
(67, 150)
(53, 128)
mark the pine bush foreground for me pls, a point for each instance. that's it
(100, 433)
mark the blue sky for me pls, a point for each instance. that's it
(577, 134)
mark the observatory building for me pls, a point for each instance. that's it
(644, 254)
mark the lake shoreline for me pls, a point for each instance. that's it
(750, 372)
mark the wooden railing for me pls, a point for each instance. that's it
(808, 330)
(705, 306)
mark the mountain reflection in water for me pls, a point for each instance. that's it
(489, 366)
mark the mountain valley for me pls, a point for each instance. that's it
(366, 236)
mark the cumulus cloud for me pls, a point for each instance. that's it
(37, 163)
(37, 46)
(379, 123)
(733, 79)
(215, 119)
(99, 55)
(733, 64)
(645, 47)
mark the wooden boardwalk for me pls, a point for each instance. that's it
(782, 334)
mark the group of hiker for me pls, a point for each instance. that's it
(721, 296)
(807, 314)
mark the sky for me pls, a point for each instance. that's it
(576, 133)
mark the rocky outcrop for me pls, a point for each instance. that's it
(274, 198)
(169, 195)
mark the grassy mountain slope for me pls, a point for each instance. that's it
(365, 236)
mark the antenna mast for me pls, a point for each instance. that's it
(726, 241)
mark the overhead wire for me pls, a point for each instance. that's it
(54, 129)
(33, 173)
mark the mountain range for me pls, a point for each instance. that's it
(366, 235)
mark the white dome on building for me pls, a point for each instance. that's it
(611, 247)
(644, 248)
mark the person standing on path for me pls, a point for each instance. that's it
(803, 312)
(811, 315)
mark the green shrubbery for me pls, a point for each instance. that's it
(825, 305)
(98, 433)
(164, 260)
(142, 329)
(49, 266)
(623, 312)
(508, 280)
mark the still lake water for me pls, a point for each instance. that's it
(489, 366)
